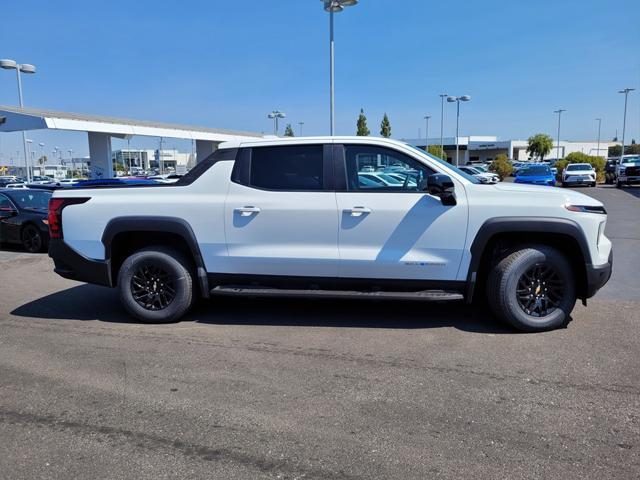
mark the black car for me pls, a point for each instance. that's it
(23, 218)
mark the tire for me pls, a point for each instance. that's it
(618, 185)
(564, 185)
(32, 239)
(514, 271)
(593, 185)
(155, 285)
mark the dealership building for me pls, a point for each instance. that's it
(485, 148)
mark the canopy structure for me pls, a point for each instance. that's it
(100, 129)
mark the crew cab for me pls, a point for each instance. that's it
(293, 217)
(628, 171)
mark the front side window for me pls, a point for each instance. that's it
(5, 203)
(32, 199)
(294, 167)
(370, 168)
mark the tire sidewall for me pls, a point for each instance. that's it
(181, 278)
(38, 233)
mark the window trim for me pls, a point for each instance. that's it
(241, 173)
(13, 204)
(340, 165)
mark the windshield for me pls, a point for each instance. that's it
(531, 171)
(468, 177)
(631, 160)
(578, 166)
(31, 199)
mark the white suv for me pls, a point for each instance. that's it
(579, 174)
(293, 217)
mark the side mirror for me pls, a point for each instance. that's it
(442, 186)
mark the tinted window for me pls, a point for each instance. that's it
(287, 168)
(4, 202)
(381, 169)
(31, 199)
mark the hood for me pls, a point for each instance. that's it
(570, 196)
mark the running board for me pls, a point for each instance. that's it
(424, 295)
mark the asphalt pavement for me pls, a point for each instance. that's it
(318, 389)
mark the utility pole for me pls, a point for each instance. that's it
(442, 97)
(426, 134)
(624, 120)
(559, 112)
(599, 120)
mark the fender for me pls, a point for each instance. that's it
(497, 225)
(173, 225)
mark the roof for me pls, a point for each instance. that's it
(17, 119)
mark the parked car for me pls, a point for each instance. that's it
(13, 186)
(579, 174)
(536, 174)
(482, 176)
(274, 217)
(628, 171)
(23, 218)
(41, 180)
(68, 182)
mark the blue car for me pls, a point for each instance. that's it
(536, 175)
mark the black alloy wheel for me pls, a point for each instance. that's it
(540, 290)
(152, 287)
(32, 239)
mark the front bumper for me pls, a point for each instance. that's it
(598, 276)
(630, 180)
(579, 181)
(71, 264)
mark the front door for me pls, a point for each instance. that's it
(280, 213)
(390, 228)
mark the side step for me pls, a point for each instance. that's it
(423, 295)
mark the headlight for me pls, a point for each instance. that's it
(586, 209)
(622, 171)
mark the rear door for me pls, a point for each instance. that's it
(281, 216)
(395, 231)
(9, 228)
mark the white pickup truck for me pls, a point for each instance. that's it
(296, 217)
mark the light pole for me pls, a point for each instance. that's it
(599, 120)
(624, 120)
(24, 68)
(463, 98)
(442, 97)
(301, 124)
(559, 112)
(28, 143)
(73, 163)
(333, 6)
(275, 115)
(426, 134)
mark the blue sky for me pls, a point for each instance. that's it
(227, 63)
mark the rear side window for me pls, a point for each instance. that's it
(204, 165)
(294, 167)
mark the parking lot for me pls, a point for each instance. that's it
(272, 388)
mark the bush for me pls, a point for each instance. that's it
(501, 166)
(598, 164)
(437, 151)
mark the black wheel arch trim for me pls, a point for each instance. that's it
(174, 225)
(498, 225)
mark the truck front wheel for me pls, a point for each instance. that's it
(533, 289)
(155, 285)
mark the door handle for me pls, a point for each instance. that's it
(358, 211)
(247, 211)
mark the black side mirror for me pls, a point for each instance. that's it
(442, 186)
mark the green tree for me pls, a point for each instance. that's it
(437, 151)
(502, 166)
(385, 127)
(633, 149)
(615, 151)
(362, 129)
(539, 146)
(288, 131)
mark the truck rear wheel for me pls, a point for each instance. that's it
(155, 285)
(533, 289)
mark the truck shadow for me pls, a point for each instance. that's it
(90, 302)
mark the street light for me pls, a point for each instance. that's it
(301, 124)
(73, 163)
(559, 112)
(426, 135)
(442, 97)
(28, 143)
(457, 100)
(8, 64)
(333, 6)
(624, 121)
(275, 115)
(599, 120)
